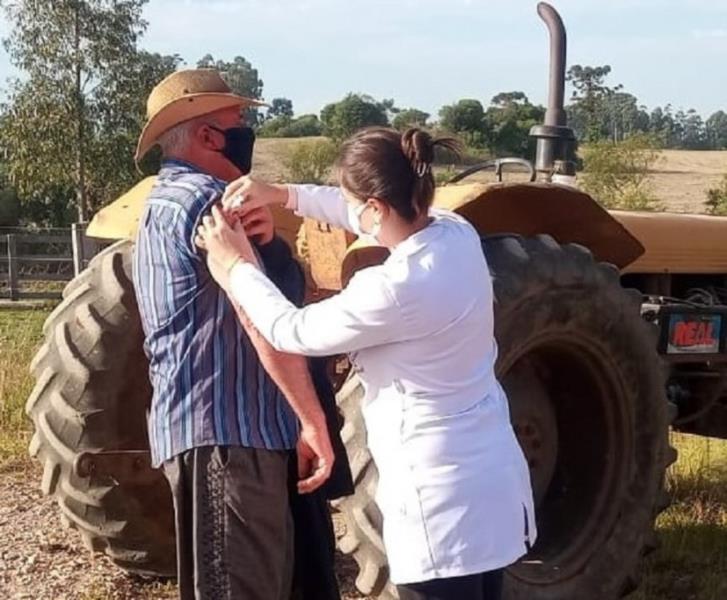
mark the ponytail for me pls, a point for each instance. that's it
(395, 168)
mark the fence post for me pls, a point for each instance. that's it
(77, 231)
(91, 247)
(13, 267)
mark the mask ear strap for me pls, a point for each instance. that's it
(360, 210)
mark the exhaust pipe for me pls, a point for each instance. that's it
(555, 150)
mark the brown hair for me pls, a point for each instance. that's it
(396, 168)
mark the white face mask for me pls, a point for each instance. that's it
(358, 213)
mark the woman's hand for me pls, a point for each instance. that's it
(225, 245)
(258, 224)
(247, 194)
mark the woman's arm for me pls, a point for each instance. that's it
(323, 203)
(364, 314)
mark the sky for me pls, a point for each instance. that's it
(427, 53)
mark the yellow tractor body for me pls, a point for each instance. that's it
(568, 215)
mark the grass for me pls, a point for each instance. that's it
(20, 336)
(690, 565)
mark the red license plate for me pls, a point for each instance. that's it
(694, 334)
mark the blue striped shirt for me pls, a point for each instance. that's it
(209, 386)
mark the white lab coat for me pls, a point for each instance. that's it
(454, 487)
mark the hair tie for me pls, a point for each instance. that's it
(423, 168)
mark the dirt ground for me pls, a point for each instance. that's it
(40, 559)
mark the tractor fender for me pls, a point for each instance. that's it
(527, 209)
(120, 219)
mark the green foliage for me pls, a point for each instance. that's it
(285, 127)
(716, 130)
(598, 111)
(310, 161)
(716, 202)
(9, 202)
(590, 101)
(691, 129)
(508, 121)
(70, 124)
(9, 208)
(242, 78)
(616, 174)
(280, 107)
(410, 117)
(503, 129)
(466, 119)
(342, 119)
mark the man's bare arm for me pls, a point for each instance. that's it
(290, 373)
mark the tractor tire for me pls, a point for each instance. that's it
(587, 399)
(91, 395)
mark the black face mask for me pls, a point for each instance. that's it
(239, 142)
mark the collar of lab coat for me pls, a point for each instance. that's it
(417, 241)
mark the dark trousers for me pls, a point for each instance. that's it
(233, 523)
(314, 573)
(482, 586)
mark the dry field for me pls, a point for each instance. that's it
(268, 161)
(680, 178)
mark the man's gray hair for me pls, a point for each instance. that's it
(176, 141)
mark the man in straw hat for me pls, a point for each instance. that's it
(226, 410)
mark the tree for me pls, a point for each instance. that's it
(242, 78)
(509, 119)
(121, 116)
(616, 174)
(588, 110)
(71, 122)
(623, 116)
(9, 202)
(388, 105)
(692, 133)
(303, 126)
(663, 126)
(410, 117)
(716, 130)
(467, 119)
(341, 119)
(280, 107)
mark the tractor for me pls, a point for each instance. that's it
(611, 327)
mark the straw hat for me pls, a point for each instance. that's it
(182, 96)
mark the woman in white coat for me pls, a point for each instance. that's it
(454, 487)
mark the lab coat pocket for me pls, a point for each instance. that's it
(405, 530)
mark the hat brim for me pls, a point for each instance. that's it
(186, 108)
